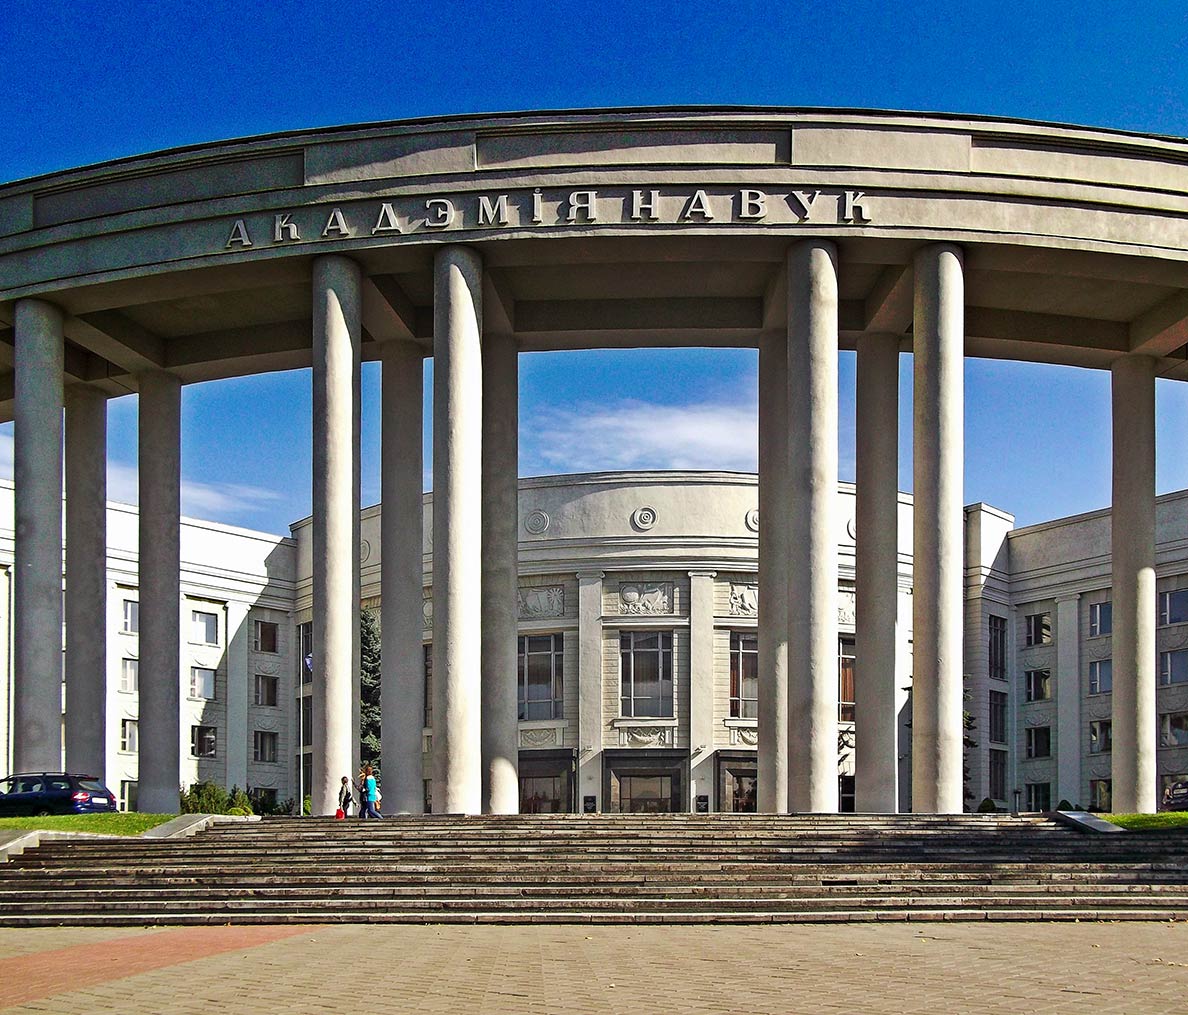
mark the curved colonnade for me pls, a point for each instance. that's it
(801, 232)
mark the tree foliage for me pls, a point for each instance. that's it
(369, 689)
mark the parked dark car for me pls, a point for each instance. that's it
(36, 793)
(1176, 797)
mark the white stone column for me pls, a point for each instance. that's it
(876, 718)
(337, 338)
(86, 580)
(37, 496)
(240, 689)
(1068, 700)
(938, 542)
(402, 684)
(500, 498)
(774, 532)
(457, 530)
(1133, 546)
(701, 686)
(589, 687)
(812, 570)
(160, 591)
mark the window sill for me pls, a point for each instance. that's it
(635, 720)
(740, 723)
(541, 724)
(203, 757)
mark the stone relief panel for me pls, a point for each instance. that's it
(645, 598)
(540, 601)
(746, 736)
(546, 736)
(646, 736)
(744, 600)
(847, 611)
(427, 613)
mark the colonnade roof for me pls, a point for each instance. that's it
(606, 228)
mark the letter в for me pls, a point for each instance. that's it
(752, 204)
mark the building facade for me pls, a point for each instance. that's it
(637, 672)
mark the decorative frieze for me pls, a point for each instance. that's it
(427, 614)
(847, 611)
(744, 600)
(646, 736)
(541, 736)
(744, 736)
(539, 602)
(645, 598)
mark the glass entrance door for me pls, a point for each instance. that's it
(644, 782)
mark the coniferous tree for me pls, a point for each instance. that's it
(369, 689)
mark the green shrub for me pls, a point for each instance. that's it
(307, 806)
(238, 812)
(240, 802)
(987, 806)
(205, 798)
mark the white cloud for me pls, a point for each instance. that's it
(637, 434)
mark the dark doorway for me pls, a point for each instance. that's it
(644, 782)
(738, 780)
(546, 782)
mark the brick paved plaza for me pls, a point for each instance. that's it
(996, 967)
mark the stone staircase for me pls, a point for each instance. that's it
(608, 869)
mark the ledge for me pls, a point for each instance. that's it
(15, 842)
(1083, 821)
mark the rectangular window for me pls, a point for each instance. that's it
(1174, 729)
(1039, 796)
(998, 717)
(265, 637)
(1037, 685)
(264, 746)
(305, 656)
(204, 628)
(1101, 676)
(845, 679)
(306, 720)
(1101, 619)
(1173, 667)
(129, 675)
(1038, 628)
(428, 672)
(1039, 742)
(997, 653)
(1101, 795)
(1101, 736)
(202, 682)
(1173, 607)
(645, 674)
(540, 663)
(744, 675)
(203, 741)
(266, 689)
(127, 796)
(998, 774)
(129, 736)
(131, 617)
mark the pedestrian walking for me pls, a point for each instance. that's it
(368, 794)
(345, 797)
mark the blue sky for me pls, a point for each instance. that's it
(85, 82)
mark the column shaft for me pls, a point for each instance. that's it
(701, 686)
(1068, 700)
(240, 688)
(160, 591)
(589, 688)
(876, 753)
(812, 441)
(37, 592)
(774, 520)
(1133, 546)
(337, 337)
(86, 580)
(457, 530)
(402, 684)
(938, 543)
(500, 521)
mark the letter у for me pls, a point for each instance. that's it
(641, 208)
(441, 212)
(492, 212)
(802, 202)
(283, 229)
(583, 202)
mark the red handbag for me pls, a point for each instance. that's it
(339, 814)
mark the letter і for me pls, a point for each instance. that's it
(803, 202)
(583, 202)
(641, 208)
(336, 224)
(441, 212)
(537, 206)
(239, 234)
(490, 213)
(698, 205)
(852, 207)
(385, 221)
(283, 229)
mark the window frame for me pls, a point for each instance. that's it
(270, 680)
(260, 738)
(1097, 613)
(214, 683)
(1033, 742)
(194, 640)
(666, 676)
(846, 707)
(135, 688)
(199, 732)
(741, 642)
(1101, 736)
(556, 654)
(129, 744)
(1030, 683)
(1165, 729)
(997, 711)
(996, 766)
(996, 649)
(1032, 791)
(1167, 676)
(1165, 607)
(1095, 682)
(1037, 628)
(130, 624)
(128, 800)
(258, 642)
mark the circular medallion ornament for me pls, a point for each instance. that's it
(851, 531)
(644, 518)
(536, 522)
(364, 551)
(752, 520)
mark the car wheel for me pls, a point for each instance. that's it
(43, 814)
